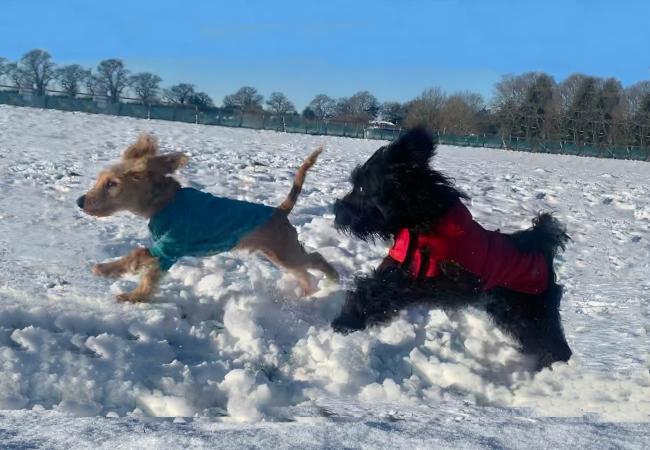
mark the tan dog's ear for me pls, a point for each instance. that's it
(145, 146)
(168, 163)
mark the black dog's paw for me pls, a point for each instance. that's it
(547, 358)
(348, 323)
(555, 349)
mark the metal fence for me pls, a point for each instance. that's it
(296, 124)
(191, 114)
(559, 147)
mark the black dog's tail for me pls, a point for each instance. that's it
(289, 202)
(547, 235)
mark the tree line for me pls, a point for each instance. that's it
(37, 71)
(111, 79)
(581, 109)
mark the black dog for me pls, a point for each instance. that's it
(443, 258)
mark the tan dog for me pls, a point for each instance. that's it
(142, 184)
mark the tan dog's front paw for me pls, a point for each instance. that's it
(109, 270)
(132, 297)
(308, 291)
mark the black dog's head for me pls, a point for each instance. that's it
(396, 188)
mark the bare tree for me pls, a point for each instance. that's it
(425, 109)
(201, 100)
(113, 78)
(474, 100)
(512, 89)
(364, 105)
(3, 63)
(179, 94)
(612, 110)
(611, 101)
(540, 105)
(635, 95)
(71, 78)
(17, 76)
(7, 70)
(38, 69)
(508, 102)
(322, 106)
(146, 86)
(459, 113)
(279, 104)
(361, 107)
(594, 110)
(583, 111)
(641, 120)
(567, 90)
(93, 85)
(245, 99)
(393, 112)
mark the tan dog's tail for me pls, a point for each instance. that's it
(289, 202)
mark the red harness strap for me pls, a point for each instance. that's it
(489, 255)
(412, 252)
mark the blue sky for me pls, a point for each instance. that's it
(392, 48)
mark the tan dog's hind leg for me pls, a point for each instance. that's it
(303, 277)
(278, 240)
(136, 261)
(294, 257)
(318, 262)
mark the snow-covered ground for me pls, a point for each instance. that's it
(229, 346)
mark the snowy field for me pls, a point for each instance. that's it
(228, 355)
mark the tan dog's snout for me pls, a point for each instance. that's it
(103, 198)
(86, 204)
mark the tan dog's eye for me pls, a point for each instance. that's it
(109, 185)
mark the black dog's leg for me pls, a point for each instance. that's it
(557, 348)
(390, 289)
(376, 299)
(534, 322)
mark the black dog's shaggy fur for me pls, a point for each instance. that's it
(396, 189)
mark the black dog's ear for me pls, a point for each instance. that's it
(415, 148)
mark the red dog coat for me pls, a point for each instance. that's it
(489, 255)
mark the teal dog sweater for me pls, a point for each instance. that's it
(196, 223)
